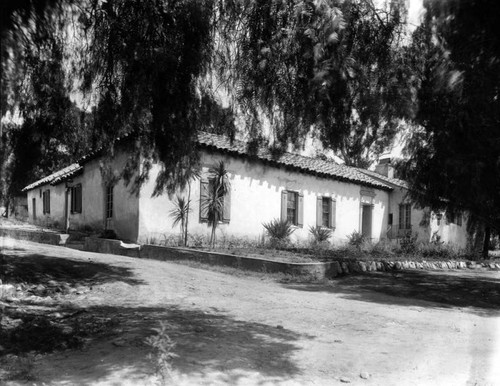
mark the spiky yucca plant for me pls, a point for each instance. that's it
(320, 234)
(279, 231)
(180, 215)
(218, 188)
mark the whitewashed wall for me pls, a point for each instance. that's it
(450, 233)
(256, 198)
(56, 215)
(125, 205)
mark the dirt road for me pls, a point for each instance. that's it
(379, 329)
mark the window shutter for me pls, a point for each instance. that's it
(203, 200)
(401, 216)
(79, 198)
(226, 214)
(283, 205)
(319, 211)
(333, 213)
(48, 201)
(300, 209)
(73, 198)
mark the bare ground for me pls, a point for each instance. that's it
(415, 328)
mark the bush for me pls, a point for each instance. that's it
(320, 234)
(356, 239)
(408, 244)
(279, 231)
(162, 354)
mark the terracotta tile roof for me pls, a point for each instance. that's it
(308, 165)
(56, 177)
(392, 181)
(293, 161)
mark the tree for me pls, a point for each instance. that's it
(453, 156)
(180, 214)
(218, 188)
(194, 174)
(298, 65)
(334, 67)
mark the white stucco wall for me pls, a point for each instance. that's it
(56, 215)
(399, 196)
(125, 205)
(450, 233)
(256, 198)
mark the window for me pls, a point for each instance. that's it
(206, 190)
(405, 216)
(292, 207)
(76, 199)
(325, 212)
(46, 201)
(109, 201)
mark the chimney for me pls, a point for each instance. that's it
(385, 167)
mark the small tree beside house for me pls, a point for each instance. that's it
(215, 196)
(180, 215)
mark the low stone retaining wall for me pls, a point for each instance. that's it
(115, 247)
(36, 236)
(318, 270)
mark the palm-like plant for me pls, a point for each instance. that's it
(320, 234)
(193, 173)
(180, 214)
(218, 188)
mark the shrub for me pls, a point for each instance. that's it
(162, 355)
(408, 244)
(320, 234)
(198, 240)
(356, 239)
(279, 230)
(384, 247)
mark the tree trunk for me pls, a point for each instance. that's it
(212, 237)
(486, 244)
(7, 208)
(187, 215)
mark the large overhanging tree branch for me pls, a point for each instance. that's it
(300, 65)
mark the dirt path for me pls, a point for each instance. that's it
(405, 329)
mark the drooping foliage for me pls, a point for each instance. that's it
(51, 131)
(454, 155)
(327, 66)
(158, 69)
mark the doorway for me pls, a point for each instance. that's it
(366, 221)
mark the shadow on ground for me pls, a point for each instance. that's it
(17, 267)
(480, 290)
(206, 342)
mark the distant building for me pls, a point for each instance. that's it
(306, 191)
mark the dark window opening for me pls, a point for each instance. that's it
(405, 216)
(46, 201)
(291, 207)
(326, 207)
(109, 202)
(76, 199)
